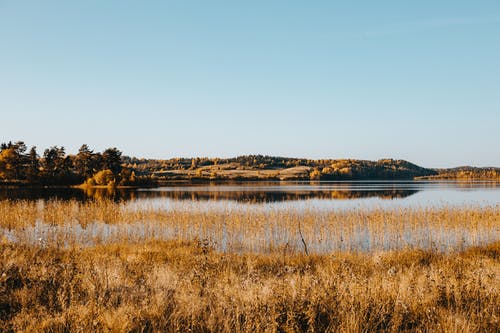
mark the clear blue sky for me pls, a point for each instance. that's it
(415, 80)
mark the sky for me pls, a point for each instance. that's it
(414, 80)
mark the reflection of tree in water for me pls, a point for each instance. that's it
(41, 193)
(110, 193)
(195, 195)
(271, 196)
(242, 192)
(66, 193)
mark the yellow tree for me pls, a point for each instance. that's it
(7, 163)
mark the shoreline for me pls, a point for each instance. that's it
(223, 181)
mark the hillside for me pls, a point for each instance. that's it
(258, 167)
(465, 173)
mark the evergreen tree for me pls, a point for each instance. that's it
(85, 162)
(33, 167)
(111, 160)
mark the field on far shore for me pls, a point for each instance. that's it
(234, 171)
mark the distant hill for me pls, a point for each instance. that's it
(465, 173)
(258, 167)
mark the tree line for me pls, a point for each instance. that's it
(18, 165)
(466, 173)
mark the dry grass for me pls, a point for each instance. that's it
(252, 229)
(234, 171)
(101, 266)
(178, 286)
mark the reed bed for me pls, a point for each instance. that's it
(104, 266)
(159, 286)
(253, 229)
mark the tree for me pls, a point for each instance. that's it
(194, 163)
(315, 174)
(33, 167)
(7, 162)
(13, 161)
(85, 162)
(53, 162)
(112, 160)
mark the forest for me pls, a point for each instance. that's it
(465, 173)
(20, 166)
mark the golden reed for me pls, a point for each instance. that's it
(90, 267)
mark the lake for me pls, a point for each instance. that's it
(285, 195)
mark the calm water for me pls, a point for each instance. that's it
(330, 195)
(286, 195)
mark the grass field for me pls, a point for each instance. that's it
(180, 281)
(233, 171)
(177, 286)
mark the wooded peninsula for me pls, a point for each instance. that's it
(20, 166)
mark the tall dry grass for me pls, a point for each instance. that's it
(252, 229)
(102, 266)
(161, 286)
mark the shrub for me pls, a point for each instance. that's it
(104, 177)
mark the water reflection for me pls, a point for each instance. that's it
(257, 196)
(269, 192)
(65, 193)
(41, 193)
